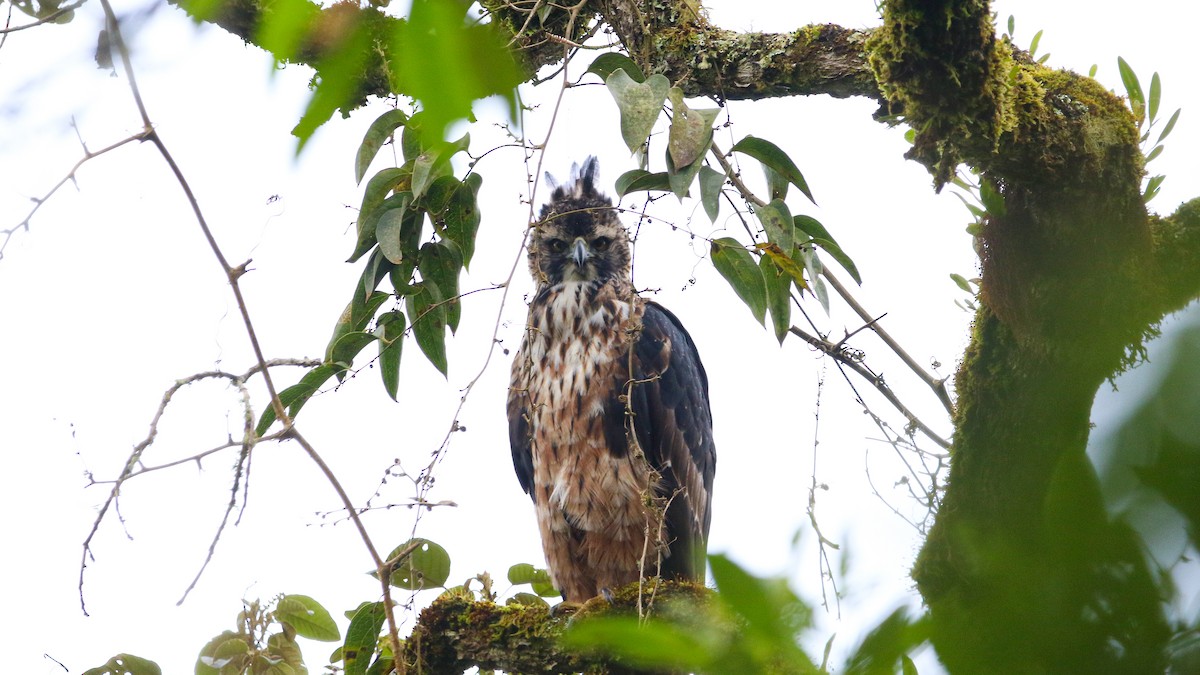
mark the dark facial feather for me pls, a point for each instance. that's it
(577, 210)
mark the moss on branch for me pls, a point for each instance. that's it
(457, 632)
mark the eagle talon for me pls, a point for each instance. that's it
(565, 608)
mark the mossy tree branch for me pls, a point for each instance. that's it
(1075, 273)
(457, 632)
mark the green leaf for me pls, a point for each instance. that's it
(281, 647)
(462, 217)
(338, 80)
(770, 608)
(636, 180)
(1155, 95)
(434, 163)
(992, 200)
(447, 60)
(1155, 152)
(388, 227)
(356, 316)
(295, 396)
(777, 222)
(382, 666)
(1012, 23)
(538, 578)
(527, 600)
(440, 264)
(821, 237)
(1034, 44)
(226, 650)
(770, 155)
(308, 617)
(681, 178)
(426, 566)
(779, 296)
(711, 183)
(737, 266)
(1137, 101)
(126, 664)
(1170, 126)
(438, 195)
(374, 271)
(887, 644)
(606, 63)
(813, 267)
(1152, 188)
(390, 331)
(412, 138)
(655, 644)
(1092, 71)
(961, 281)
(777, 185)
(348, 346)
(691, 130)
(377, 134)
(428, 317)
(362, 637)
(639, 103)
(373, 197)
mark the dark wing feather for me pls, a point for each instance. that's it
(673, 424)
(519, 438)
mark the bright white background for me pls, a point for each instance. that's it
(113, 294)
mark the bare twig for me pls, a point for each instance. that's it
(825, 567)
(88, 155)
(841, 356)
(233, 274)
(937, 385)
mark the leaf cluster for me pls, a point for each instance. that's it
(1145, 113)
(788, 257)
(264, 641)
(416, 228)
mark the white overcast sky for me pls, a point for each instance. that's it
(113, 294)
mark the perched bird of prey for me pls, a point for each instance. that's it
(608, 409)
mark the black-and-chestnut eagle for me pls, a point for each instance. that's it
(608, 409)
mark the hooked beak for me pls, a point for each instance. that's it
(580, 252)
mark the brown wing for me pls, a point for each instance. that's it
(673, 424)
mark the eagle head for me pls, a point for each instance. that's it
(578, 236)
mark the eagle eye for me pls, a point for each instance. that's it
(601, 243)
(556, 245)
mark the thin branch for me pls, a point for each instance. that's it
(233, 274)
(49, 18)
(937, 385)
(875, 380)
(88, 155)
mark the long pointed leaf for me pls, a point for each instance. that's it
(771, 155)
(1137, 100)
(737, 266)
(377, 134)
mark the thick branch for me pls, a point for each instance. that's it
(457, 632)
(704, 60)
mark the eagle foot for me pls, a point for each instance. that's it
(565, 608)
